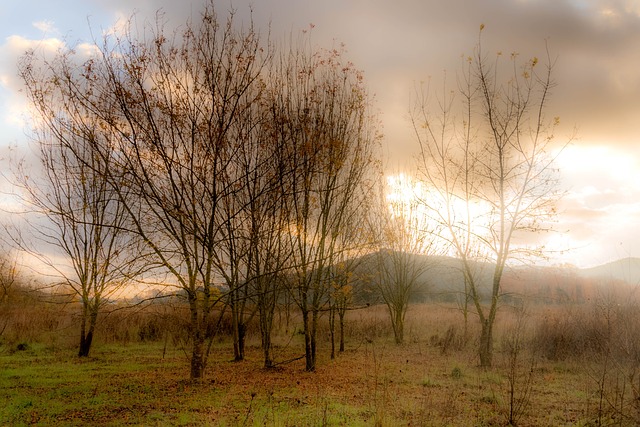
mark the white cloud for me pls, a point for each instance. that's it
(46, 27)
(120, 24)
(86, 50)
(14, 108)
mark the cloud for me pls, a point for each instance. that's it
(45, 26)
(397, 44)
(400, 43)
(14, 106)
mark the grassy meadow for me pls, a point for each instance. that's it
(432, 380)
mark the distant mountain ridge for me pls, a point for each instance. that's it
(625, 269)
(442, 279)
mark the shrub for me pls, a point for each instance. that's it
(453, 339)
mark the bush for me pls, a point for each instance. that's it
(150, 330)
(608, 325)
(453, 339)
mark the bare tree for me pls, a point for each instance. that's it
(269, 255)
(254, 219)
(486, 161)
(404, 239)
(76, 210)
(269, 264)
(171, 109)
(219, 168)
(340, 295)
(241, 215)
(184, 106)
(8, 280)
(349, 268)
(330, 138)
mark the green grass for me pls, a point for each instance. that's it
(133, 385)
(373, 383)
(41, 387)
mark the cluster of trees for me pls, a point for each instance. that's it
(210, 161)
(204, 159)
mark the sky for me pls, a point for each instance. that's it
(401, 43)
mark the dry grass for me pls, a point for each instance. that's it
(374, 382)
(377, 384)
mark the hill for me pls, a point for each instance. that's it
(624, 270)
(441, 279)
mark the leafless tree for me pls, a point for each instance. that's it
(220, 165)
(171, 107)
(240, 215)
(269, 255)
(404, 239)
(8, 280)
(348, 271)
(184, 106)
(253, 239)
(486, 160)
(331, 138)
(269, 265)
(71, 206)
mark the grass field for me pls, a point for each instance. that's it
(374, 382)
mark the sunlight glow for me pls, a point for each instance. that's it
(403, 189)
(448, 221)
(404, 196)
(428, 212)
(408, 214)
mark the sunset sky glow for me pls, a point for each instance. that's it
(399, 44)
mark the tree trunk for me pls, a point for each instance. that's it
(486, 334)
(314, 333)
(266, 313)
(86, 335)
(309, 342)
(332, 330)
(197, 357)
(397, 321)
(83, 331)
(465, 309)
(310, 363)
(266, 349)
(341, 317)
(486, 344)
(85, 344)
(237, 328)
(287, 312)
(197, 341)
(242, 333)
